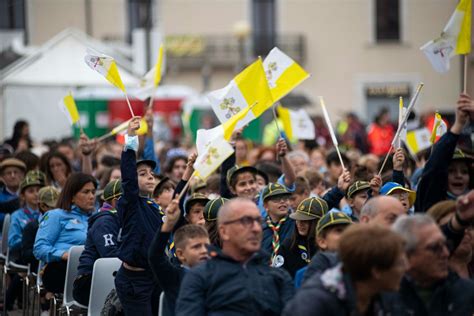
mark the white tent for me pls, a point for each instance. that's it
(32, 87)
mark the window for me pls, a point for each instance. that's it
(387, 21)
(12, 14)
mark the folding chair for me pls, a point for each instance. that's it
(71, 273)
(102, 283)
(160, 307)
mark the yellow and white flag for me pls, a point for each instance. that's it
(213, 156)
(106, 66)
(454, 40)
(297, 124)
(417, 140)
(283, 73)
(69, 108)
(151, 79)
(247, 88)
(439, 128)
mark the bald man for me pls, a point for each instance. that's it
(237, 280)
(382, 210)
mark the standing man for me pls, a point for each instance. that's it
(237, 279)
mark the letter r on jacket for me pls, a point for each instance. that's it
(108, 240)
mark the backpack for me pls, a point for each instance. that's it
(112, 305)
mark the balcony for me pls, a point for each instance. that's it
(192, 52)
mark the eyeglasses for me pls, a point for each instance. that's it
(401, 196)
(279, 198)
(246, 221)
(437, 248)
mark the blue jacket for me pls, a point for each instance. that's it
(223, 286)
(58, 231)
(101, 239)
(19, 220)
(140, 217)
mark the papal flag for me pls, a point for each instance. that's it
(151, 79)
(418, 140)
(247, 88)
(106, 66)
(297, 124)
(205, 136)
(439, 128)
(454, 40)
(283, 73)
(69, 108)
(214, 155)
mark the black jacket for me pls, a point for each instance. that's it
(101, 241)
(433, 185)
(453, 296)
(296, 258)
(168, 273)
(321, 261)
(331, 294)
(27, 243)
(223, 286)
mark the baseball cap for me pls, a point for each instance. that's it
(356, 187)
(48, 195)
(195, 198)
(212, 208)
(12, 162)
(332, 219)
(112, 190)
(235, 170)
(310, 209)
(274, 189)
(148, 162)
(389, 187)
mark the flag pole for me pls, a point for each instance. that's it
(183, 192)
(385, 160)
(331, 131)
(466, 65)
(276, 120)
(400, 119)
(129, 105)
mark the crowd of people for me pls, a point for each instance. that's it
(280, 229)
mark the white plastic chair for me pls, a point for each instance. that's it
(71, 273)
(102, 283)
(162, 299)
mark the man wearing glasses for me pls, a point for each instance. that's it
(237, 280)
(429, 287)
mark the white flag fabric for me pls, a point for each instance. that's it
(214, 155)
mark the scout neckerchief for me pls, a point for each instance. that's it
(153, 204)
(31, 217)
(276, 235)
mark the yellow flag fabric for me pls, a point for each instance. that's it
(283, 73)
(159, 64)
(463, 44)
(296, 124)
(248, 88)
(106, 66)
(69, 108)
(418, 140)
(230, 125)
(439, 128)
(143, 127)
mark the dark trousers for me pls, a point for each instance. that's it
(14, 291)
(139, 294)
(82, 289)
(54, 276)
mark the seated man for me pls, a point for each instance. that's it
(237, 279)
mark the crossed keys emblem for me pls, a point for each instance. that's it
(273, 66)
(97, 61)
(211, 154)
(302, 123)
(228, 104)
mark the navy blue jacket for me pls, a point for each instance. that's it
(168, 272)
(433, 185)
(101, 241)
(286, 230)
(332, 294)
(139, 217)
(223, 286)
(321, 261)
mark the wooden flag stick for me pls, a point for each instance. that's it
(276, 120)
(183, 192)
(331, 131)
(129, 105)
(466, 66)
(150, 103)
(385, 160)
